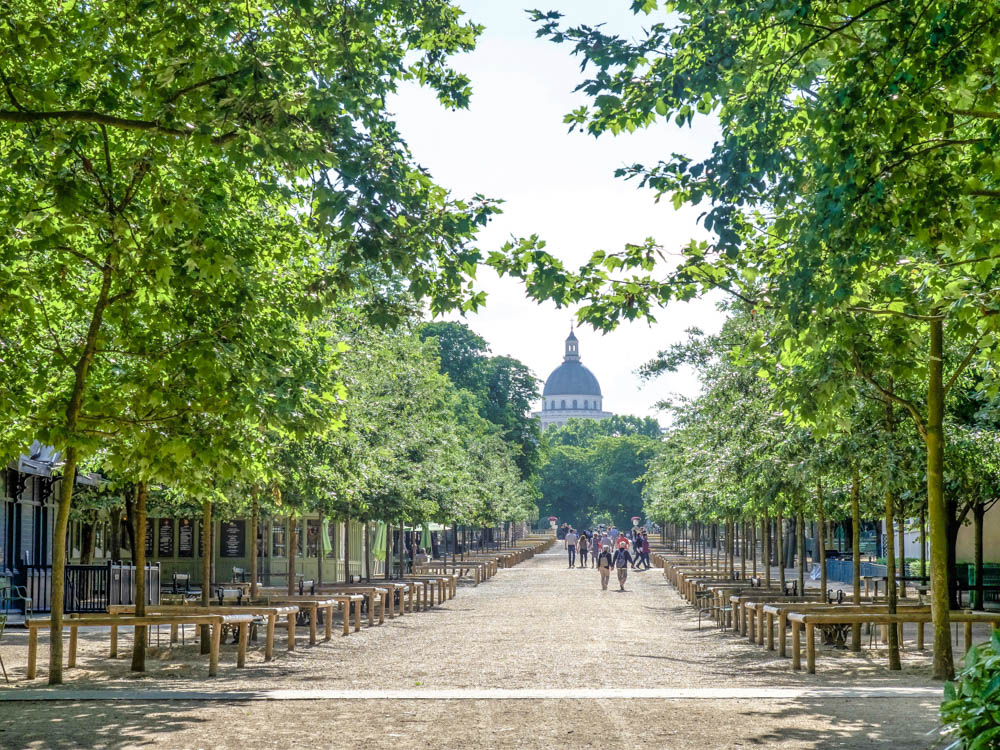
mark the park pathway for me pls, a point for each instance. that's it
(538, 656)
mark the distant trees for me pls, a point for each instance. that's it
(594, 468)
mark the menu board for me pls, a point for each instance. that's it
(165, 537)
(234, 538)
(149, 540)
(185, 538)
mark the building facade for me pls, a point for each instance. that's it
(571, 391)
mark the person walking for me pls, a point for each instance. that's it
(583, 548)
(622, 560)
(596, 545)
(604, 565)
(569, 543)
(644, 551)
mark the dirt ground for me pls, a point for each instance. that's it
(538, 625)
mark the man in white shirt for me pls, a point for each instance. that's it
(570, 545)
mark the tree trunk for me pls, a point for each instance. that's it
(388, 551)
(903, 570)
(781, 549)
(765, 552)
(890, 572)
(856, 551)
(88, 539)
(944, 667)
(206, 569)
(115, 541)
(402, 548)
(254, 523)
(73, 407)
(923, 542)
(821, 536)
(291, 549)
(347, 550)
(978, 511)
(139, 646)
(368, 551)
(743, 549)
(753, 546)
(800, 532)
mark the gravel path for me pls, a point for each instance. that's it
(538, 625)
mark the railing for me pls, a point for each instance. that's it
(90, 588)
(843, 570)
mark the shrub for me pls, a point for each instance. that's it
(971, 708)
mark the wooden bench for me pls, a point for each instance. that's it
(269, 613)
(216, 621)
(920, 615)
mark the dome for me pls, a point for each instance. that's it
(571, 378)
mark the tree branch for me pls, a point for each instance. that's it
(912, 316)
(907, 404)
(964, 363)
(122, 123)
(977, 113)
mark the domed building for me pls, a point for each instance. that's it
(571, 391)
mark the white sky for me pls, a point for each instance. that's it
(512, 144)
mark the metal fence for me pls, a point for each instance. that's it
(843, 570)
(90, 588)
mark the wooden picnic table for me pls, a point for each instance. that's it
(475, 569)
(445, 584)
(270, 613)
(313, 604)
(216, 621)
(781, 610)
(751, 609)
(371, 592)
(920, 615)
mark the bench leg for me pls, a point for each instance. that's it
(347, 617)
(173, 632)
(213, 657)
(291, 632)
(782, 639)
(328, 635)
(241, 655)
(269, 642)
(920, 636)
(796, 644)
(32, 651)
(72, 647)
(968, 636)
(313, 614)
(811, 648)
(371, 609)
(114, 642)
(357, 616)
(381, 608)
(770, 631)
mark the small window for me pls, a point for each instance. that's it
(564, 403)
(585, 404)
(278, 539)
(574, 403)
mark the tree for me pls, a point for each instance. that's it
(138, 148)
(853, 178)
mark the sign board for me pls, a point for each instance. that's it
(233, 539)
(185, 538)
(165, 537)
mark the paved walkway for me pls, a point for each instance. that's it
(539, 656)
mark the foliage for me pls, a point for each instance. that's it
(971, 707)
(593, 468)
(503, 387)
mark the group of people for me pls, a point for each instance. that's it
(607, 550)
